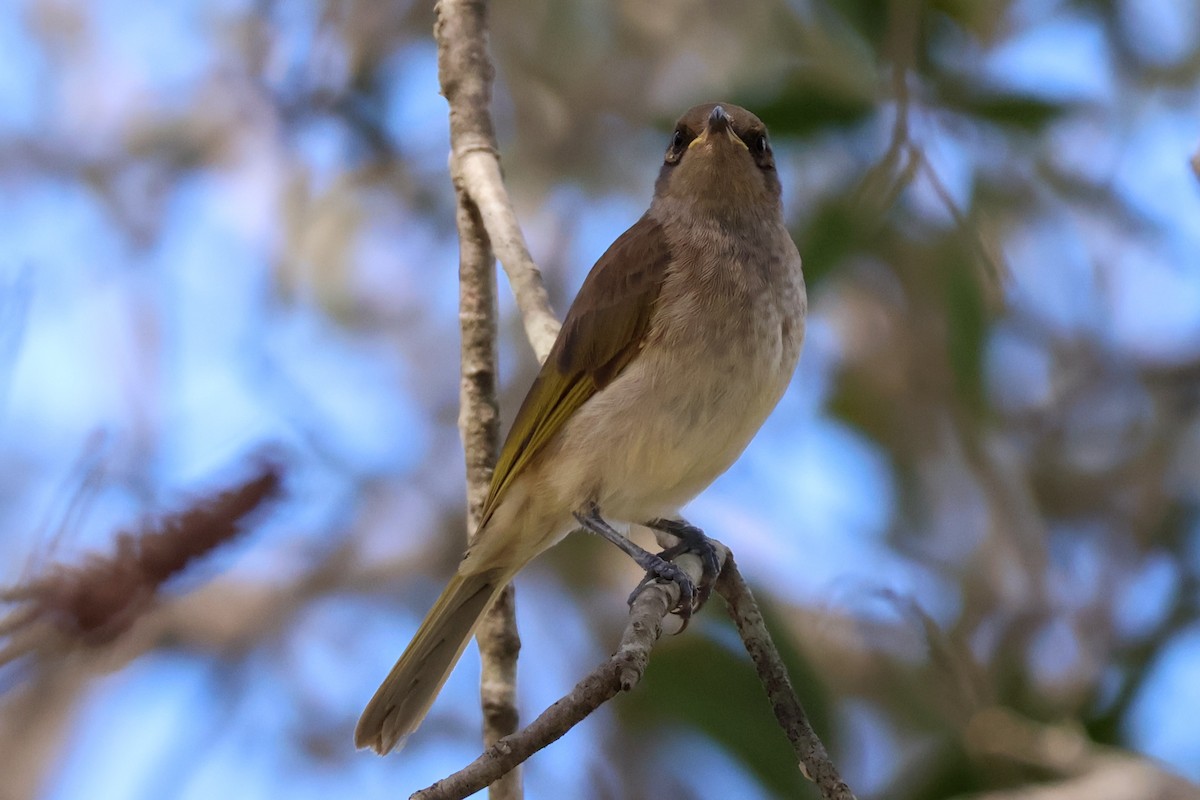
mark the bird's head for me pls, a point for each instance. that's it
(719, 159)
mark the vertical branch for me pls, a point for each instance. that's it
(478, 415)
(479, 426)
(465, 72)
(485, 220)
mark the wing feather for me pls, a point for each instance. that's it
(604, 329)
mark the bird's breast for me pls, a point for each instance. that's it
(721, 349)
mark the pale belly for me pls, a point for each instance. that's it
(667, 427)
(679, 414)
(641, 448)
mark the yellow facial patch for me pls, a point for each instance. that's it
(703, 137)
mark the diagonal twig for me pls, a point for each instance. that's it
(814, 760)
(620, 673)
(624, 669)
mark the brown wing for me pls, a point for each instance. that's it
(604, 329)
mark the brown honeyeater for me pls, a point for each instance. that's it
(679, 344)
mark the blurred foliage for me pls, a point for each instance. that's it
(702, 683)
(992, 202)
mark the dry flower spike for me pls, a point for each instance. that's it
(91, 604)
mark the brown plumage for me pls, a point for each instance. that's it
(679, 343)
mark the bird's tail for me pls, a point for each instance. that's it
(405, 696)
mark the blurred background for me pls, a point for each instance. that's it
(228, 226)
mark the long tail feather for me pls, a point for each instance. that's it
(404, 697)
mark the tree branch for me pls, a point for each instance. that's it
(620, 673)
(814, 761)
(479, 426)
(465, 72)
(486, 224)
(624, 670)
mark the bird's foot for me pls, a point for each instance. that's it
(657, 566)
(691, 540)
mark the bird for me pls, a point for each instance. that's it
(680, 342)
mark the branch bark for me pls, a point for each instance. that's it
(814, 761)
(620, 673)
(486, 224)
(479, 426)
(624, 670)
(465, 72)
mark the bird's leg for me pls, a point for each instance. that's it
(691, 540)
(655, 565)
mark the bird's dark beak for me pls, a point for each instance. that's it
(718, 121)
(717, 128)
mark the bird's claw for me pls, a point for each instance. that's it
(691, 540)
(669, 572)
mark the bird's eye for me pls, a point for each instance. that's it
(675, 151)
(760, 144)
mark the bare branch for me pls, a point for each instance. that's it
(624, 670)
(486, 222)
(465, 72)
(814, 761)
(620, 673)
(479, 425)
(892, 174)
(478, 414)
(997, 271)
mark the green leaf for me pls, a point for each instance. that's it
(1015, 110)
(802, 109)
(832, 234)
(967, 323)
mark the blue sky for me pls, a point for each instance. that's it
(170, 342)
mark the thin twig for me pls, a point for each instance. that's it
(882, 184)
(996, 271)
(465, 72)
(486, 224)
(814, 761)
(479, 426)
(620, 673)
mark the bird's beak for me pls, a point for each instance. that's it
(718, 123)
(718, 120)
